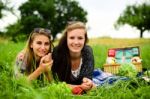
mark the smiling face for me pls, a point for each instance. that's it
(76, 40)
(40, 45)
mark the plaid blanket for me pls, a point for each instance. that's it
(100, 77)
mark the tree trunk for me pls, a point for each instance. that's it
(141, 33)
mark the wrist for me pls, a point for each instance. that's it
(40, 69)
(35, 74)
(80, 86)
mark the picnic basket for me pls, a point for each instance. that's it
(117, 56)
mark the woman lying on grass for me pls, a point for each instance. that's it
(73, 58)
(36, 61)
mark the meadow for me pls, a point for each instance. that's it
(11, 88)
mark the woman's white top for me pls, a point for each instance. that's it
(77, 71)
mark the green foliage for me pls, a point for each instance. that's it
(14, 32)
(133, 88)
(1, 8)
(137, 16)
(5, 5)
(12, 88)
(100, 55)
(51, 14)
(145, 56)
(127, 69)
(9, 51)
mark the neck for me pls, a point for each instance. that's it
(75, 60)
(75, 56)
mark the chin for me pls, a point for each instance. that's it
(41, 55)
(76, 51)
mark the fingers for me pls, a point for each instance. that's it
(47, 57)
(86, 87)
(87, 84)
(87, 80)
(48, 63)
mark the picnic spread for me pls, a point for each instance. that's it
(121, 64)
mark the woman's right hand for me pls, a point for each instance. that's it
(44, 67)
(46, 63)
(20, 55)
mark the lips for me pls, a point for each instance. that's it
(42, 53)
(76, 47)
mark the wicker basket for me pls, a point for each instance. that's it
(114, 68)
(117, 56)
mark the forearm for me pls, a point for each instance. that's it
(35, 74)
(72, 86)
(49, 76)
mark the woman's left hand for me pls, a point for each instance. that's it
(87, 84)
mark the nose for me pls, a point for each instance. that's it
(76, 41)
(42, 46)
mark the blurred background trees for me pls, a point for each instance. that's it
(5, 7)
(50, 14)
(55, 14)
(136, 16)
(1, 7)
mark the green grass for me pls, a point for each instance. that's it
(100, 55)
(11, 88)
(9, 50)
(145, 50)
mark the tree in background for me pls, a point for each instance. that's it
(4, 6)
(137, 16)
(1, 8)
(51, 14)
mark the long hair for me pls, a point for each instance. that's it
(62, 68)
(29, 54)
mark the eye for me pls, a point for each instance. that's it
(47, 43)
(80, 38)
(39, 42)
(71, 37)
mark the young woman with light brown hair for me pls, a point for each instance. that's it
(36, 61)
